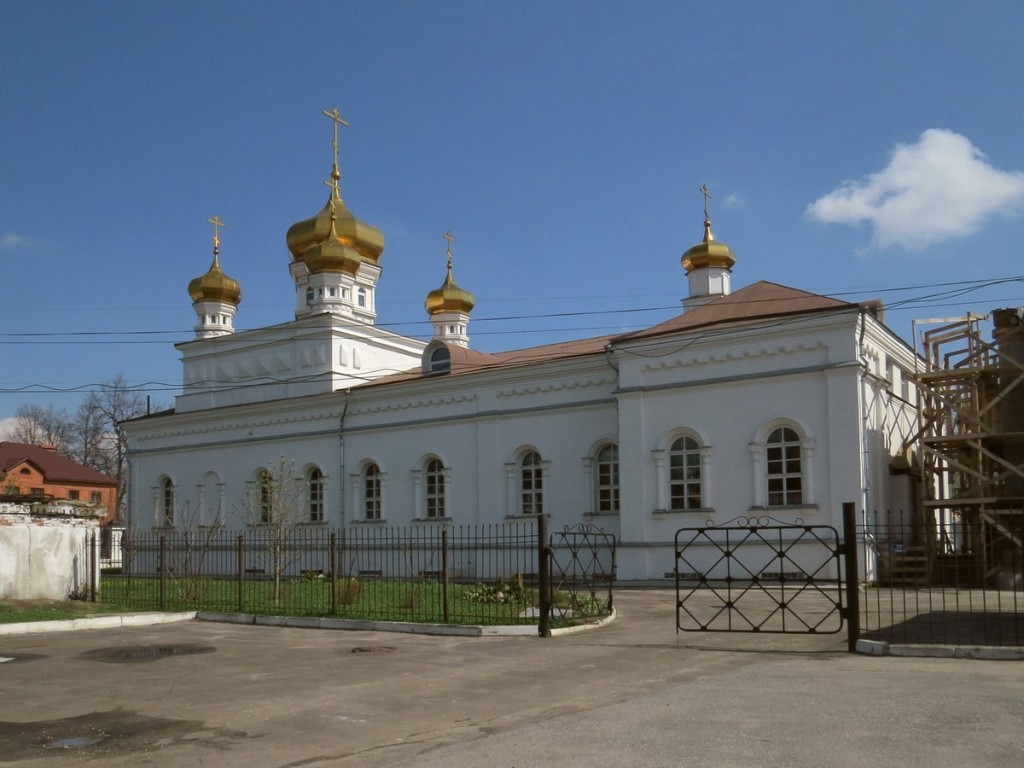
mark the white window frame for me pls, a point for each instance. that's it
(663, 458)
(762, 464)
(315, 486)
(605, 488)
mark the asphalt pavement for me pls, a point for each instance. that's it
(632, 693)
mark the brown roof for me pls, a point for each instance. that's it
(56, 469)
(762, 300)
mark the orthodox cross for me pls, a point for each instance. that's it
(707, 196)
(337, 120)
(333, 184)
(451, 239)
(217, 224)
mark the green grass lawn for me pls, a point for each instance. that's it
(16, 611)
(367, 599)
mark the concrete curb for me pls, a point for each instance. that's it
(150, 619)
(96, 622)
(988, 652)
(447, 630)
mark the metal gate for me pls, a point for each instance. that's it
(759, 575)
(582, 571)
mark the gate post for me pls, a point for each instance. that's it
(852, 575)
(239, 569)
(543, 576)
(162, 565)
(332, 557)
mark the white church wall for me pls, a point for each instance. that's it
(479, 426)
(231, 444)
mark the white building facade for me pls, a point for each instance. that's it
(764, 401)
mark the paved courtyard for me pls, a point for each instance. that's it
(630, 694)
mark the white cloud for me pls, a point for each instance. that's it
(938, 189)
(7, 427)
(14, 240)
(732, 200)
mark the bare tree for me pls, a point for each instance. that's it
(93, 434)
(276, 503)
(117, 402)
(36, 425)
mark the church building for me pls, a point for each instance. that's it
(767, 400)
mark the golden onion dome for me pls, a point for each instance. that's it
(215, 285)
(366, 240)
(708, 253)
(449, 298)
(332, 254)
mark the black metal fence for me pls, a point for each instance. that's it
(954, 580)
(477, 574)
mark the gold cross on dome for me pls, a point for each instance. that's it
(217, 224)
(707, 196)
(337, 120)
(451, 239)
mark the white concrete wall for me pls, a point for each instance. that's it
(44, 551)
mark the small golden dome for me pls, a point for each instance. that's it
(215, 286)
(365, 240)
(449, 298)
(708, 253)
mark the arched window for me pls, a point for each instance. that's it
(784, 464)
(531, 484)
(167, 502)
(607, 479)
(684, 474)
(211, 500)
(315, 490)
(361, 297)
(440, 360)
(435, 490)
(371, 492)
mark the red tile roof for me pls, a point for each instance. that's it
(56, 469)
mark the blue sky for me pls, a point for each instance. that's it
(851, 149)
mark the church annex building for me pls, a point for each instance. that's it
(764, 400)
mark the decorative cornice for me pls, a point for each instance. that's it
(560, 386)
(213, 424)
(746, 354)
(405, 405)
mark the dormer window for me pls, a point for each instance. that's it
(436, 359)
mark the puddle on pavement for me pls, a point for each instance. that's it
(128, 654)
(14, 658)
(115, 732)
(75, 741)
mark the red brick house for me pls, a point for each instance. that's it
(37, 470)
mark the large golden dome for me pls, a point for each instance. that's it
(332, 254)
(215, 286)
(364, 240)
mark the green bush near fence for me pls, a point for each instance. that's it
(365, 599)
